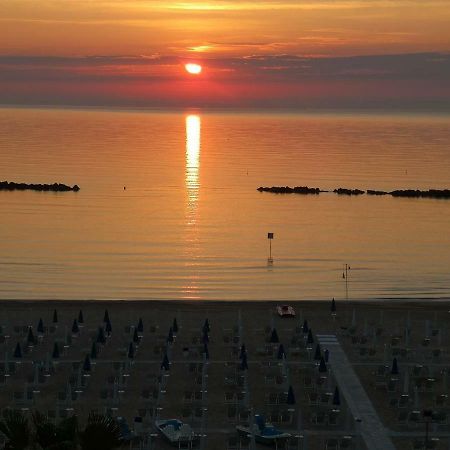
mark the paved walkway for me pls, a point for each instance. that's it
(375, 435)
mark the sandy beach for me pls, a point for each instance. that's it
(211, 392)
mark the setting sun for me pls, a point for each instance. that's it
(193, 69)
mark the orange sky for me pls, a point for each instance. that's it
(54, 51)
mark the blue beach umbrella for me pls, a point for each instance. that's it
(55, 316)
(30, 337)
(274, 337)
(206, 326)
(101, 339)
(94, 351)
(322, 366)
(281, 353)
(336, 397)
(333, 305)
(305, 328)
(165, 362)
(131, 351)
(243, 351)
(318, 353)
(170, 336)
(106, 316)
(244, 364)
(140, 326)
(394, 370)
(18, 351)
(108, 328)
(175, 325)
(75, 328)
(87, 364)
(80, 317)
(205, 350)
(136, 338)
(40, 327)
(55, 353)
(290, 397)
(205, 337)
(310, 339)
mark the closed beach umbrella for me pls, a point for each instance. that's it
(290, 397)
(55, 353)
(30, 337)
(175, 325)
(336, 397)
(244, 364)
(310, 339)
(55, 316)
(106, 316)
(108, 328)
(243, 351)
(326, 354)
(80, 317)
(135, 336)
(206, 326)
(40, 327)
(131, 351)
(140, 326)
(274, 337)
(170, 336)
(206, 351)
(322, 366)
(205, 337)
(333, 305)
(94, 351)
(165, 363)
(317, 353)
(87, 364)
(18, 351)
(75, 328)
(281, 353)
(394, 370)
(305, 328)
(101, 339)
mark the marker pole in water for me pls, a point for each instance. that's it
(270, 237)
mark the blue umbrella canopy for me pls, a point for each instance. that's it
(40, 327)
(170, 336)
(244, 364)
(243, 351)
(108, 328)
(101, 339)
(274, 337)
(305, 328)
(165, 362)
(80, 317)
(322, 366)
(394, 370)
(136, 338)
(206, 326)
(140, 326)
(87, 364)
(317, 353)
(18, 351)
(290, 397)
(333, 305)
(326, 355)
(175, 325)
(75, 328)
(205, 337)
(55, 353)
(310, 339)
(131, 351)
(94, 351)
(336, 397)
(106, 316)
(205, 350)
(55, 316)
(30, 336)
(281, 353)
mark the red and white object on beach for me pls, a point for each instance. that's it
(285, 311)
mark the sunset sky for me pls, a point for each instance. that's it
(254, 53)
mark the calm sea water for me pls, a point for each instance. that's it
(191, 224)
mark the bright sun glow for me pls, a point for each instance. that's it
(194, 69)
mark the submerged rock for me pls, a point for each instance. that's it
(344, 191)
(55, 187)
(288, 190)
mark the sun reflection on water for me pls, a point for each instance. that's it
(193, 127)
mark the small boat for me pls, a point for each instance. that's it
(285, 311)
(176, 432)
(265, 433)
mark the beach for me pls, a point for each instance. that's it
(209, 388)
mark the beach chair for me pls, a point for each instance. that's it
(332, 444)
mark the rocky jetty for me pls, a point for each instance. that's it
(372, 192)
(415, 193)
(288, 190)
(344, 191)
(55, 187)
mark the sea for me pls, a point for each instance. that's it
(168, 206)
